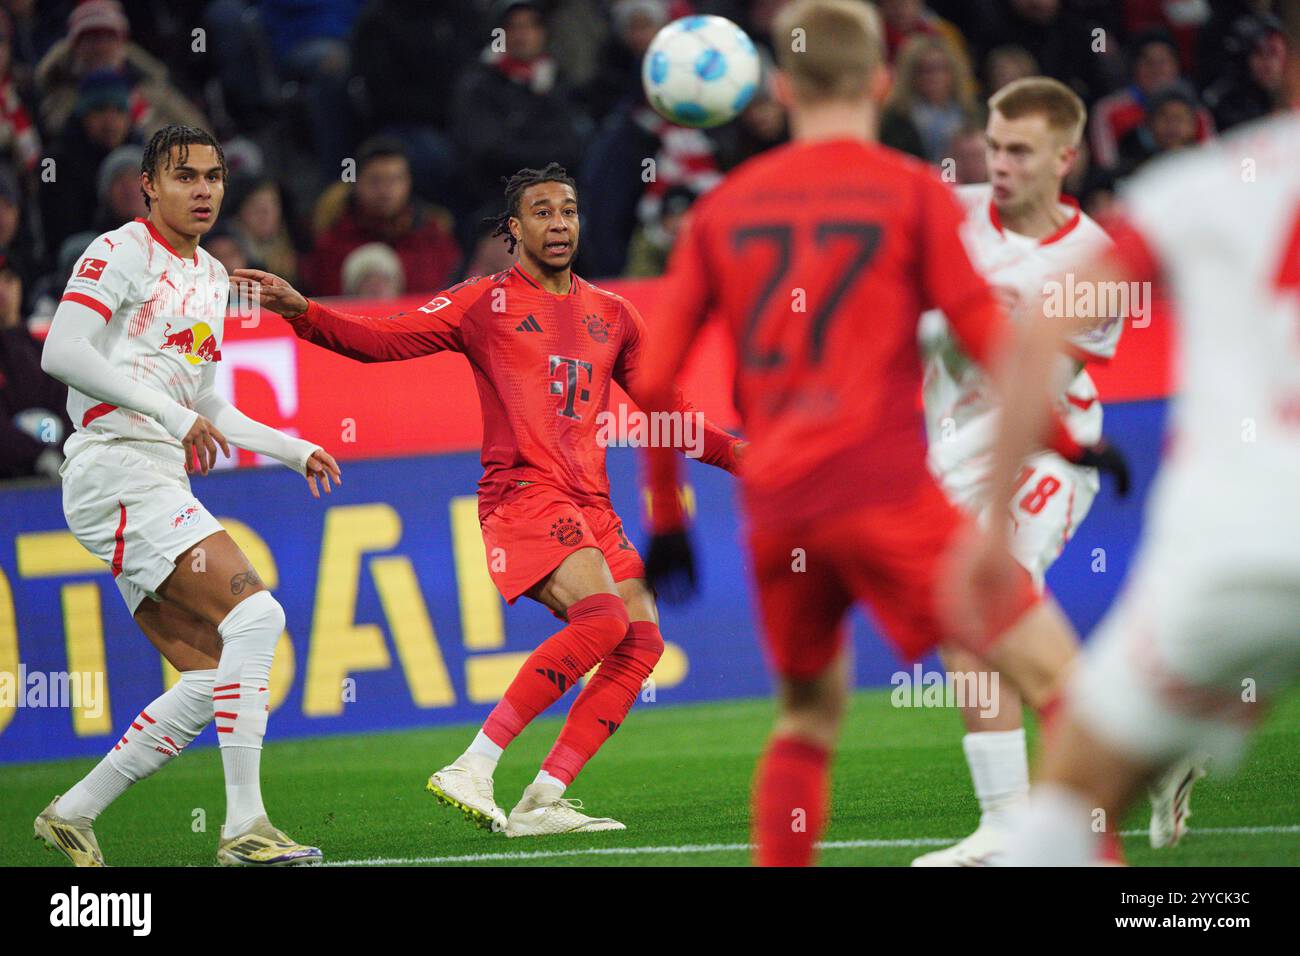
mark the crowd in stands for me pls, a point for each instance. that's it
(367, 139)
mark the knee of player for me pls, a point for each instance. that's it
(258, 614)
(197, 685)
(603, 620)
(645, 640)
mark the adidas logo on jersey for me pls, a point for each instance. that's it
(529, 324)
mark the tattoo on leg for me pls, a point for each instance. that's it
(244, 579)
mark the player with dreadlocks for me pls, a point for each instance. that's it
(137, 338)
(544, 345)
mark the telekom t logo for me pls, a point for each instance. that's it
(568, 384)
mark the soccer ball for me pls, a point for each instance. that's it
(700, 71)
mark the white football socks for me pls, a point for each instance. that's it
(243, 788)
(92, 794)
(999, 768)
(1053, 829)
(547, 780)
(159, 732)
(240, 701)
(483, 748)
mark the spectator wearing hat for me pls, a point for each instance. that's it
(1255, 84)
(101, 123)
(98, 39)
(33, 420)
(511, 110)
(19, 140)
(1155, 67)
(381, 208)
(373, 271)
(118, 188)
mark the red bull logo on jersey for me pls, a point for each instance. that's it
(198, 343)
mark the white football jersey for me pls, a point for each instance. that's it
(960, 412)
(1222, 225)
(163, 321)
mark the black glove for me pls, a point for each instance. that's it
(1107, 459)
(670, 566)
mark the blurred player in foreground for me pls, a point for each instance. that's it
(136, 338)
(819, 257)
(1207, 631)
(1022, 233)
(545, 346)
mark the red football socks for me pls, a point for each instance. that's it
(605, 701)
(597, 624)
(790, 802)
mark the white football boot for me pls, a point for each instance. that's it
(1171, 802)
(75, 839)
(985, 847)
(465, 786)
(543, 811)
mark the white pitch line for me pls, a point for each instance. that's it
(523, 855)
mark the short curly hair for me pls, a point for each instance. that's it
(515, 187)
(158, 154)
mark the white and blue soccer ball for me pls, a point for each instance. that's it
(700, 71)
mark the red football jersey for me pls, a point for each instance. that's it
(819, 258)
(542, 362)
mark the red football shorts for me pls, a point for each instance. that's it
(888, 556)
(527, 538)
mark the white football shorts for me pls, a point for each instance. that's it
(133, 510)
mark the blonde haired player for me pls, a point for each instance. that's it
(836, 473)
(1023, 233)
(1213, 604)
(136, 338)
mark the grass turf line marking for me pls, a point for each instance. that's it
(734, 847)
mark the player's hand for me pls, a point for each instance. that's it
(200, 446)
(670, 566)
(1107, 459)
(738, 452)
(269, 291)
(981, 582)
(321, 467)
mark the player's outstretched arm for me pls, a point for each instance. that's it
(70, 357)
(308, 459)
(432, 328)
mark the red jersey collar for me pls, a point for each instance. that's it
(573, 280)
(158, 238)
(1067, 228)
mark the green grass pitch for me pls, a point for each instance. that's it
(678, 777)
